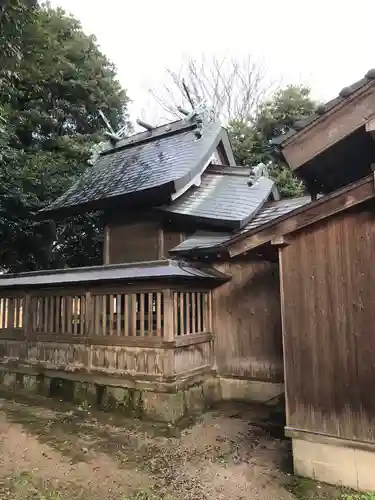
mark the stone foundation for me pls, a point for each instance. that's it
(164, 407)
(335, 464)
(169, 405)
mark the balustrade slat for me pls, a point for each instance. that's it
(142, 314)
(158, 314)
(150, 314)
(118, 315)
(126, 315)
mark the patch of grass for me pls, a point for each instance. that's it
(358, 496)
(308, 489)
(23, 487)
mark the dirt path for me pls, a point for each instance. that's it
(51, 453)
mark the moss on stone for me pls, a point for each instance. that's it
(85, 394)
(164, 407)
(30, 383)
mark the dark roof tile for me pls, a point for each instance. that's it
(274, 209)
(223, 200)
(169, 160)
(201, 240)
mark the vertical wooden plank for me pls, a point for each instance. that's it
(106, 244)
(168, 332)
(27, 315)
(118, 315)
(15, 305)
(126, 315)
(142, 315)
(33, 313)
(205, 312)
(63, 315)
(160, 243)
(45, 313)
(81, 317)
(57, 314)
(199, 311)
(175, 313)
(75, 304)
(111, 313)
(150, 314)
(69, 313)
(193, 313)
(187, 313)
(210, 310)
(104, 315)
(16, 311)
(97, 307)
(158, 314)
(181, 311)
(1, 312)
(4, 312)
(134, 314)
(89, 315)
(51, 314)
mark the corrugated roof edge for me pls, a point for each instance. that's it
(163, 269)
(322, 109)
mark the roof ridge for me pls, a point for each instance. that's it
(322, 109)
(150, 135)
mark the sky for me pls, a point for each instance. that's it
(328, 44)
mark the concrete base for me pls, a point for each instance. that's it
(251, 391)
(337, 465)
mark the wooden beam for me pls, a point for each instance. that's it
(106, 245)
(161, 243)
(326, 206)
(280, 241)
(343, 119)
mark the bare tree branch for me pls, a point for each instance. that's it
(234, 87)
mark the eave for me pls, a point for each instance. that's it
(329, 205)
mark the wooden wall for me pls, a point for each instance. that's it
(328, 306)
(143, 240)
(133, 242)
(246, 321)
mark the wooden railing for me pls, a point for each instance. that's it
(99, 313)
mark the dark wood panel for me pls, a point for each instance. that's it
(133, 242)
(247, 323)
(328, 278)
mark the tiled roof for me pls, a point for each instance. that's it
(223, 200)
(270, 211)
(201, 240)
(161, 269)
(146, 162)
(321, 110)
(274, 209)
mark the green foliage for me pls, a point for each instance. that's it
(251, 140)
(49, 111)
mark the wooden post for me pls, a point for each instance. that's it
(27, 316)
(89, 313)
(106, 244)
(168, 323)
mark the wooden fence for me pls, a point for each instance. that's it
(113, 313)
